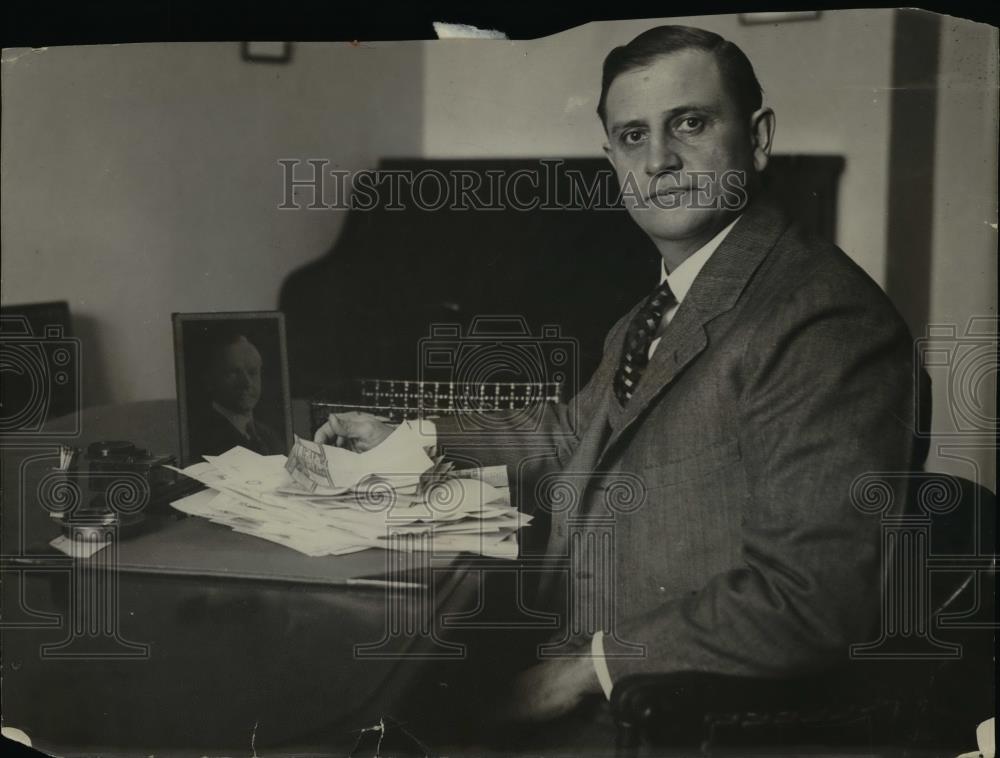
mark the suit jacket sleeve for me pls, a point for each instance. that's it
(529, 442)
(827, 396)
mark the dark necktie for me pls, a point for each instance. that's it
(640, 335)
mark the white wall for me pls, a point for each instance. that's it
(964, 249)
(138, 180)
(828, 81)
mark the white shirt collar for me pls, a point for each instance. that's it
(241, 421)
(682, 277)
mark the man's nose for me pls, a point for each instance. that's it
(661, 156)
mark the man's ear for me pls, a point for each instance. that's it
(762, 137)
(607, 154)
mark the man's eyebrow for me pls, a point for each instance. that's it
(615, 128)
(665, 115)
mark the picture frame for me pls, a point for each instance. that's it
(266, 52)
(777, 17)
(232, 383)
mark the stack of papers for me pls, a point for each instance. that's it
(323, 500)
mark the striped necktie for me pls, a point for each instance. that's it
(640, 335)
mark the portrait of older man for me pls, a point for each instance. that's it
(232, 382)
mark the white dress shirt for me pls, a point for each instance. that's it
(680, 281)
(682, 277)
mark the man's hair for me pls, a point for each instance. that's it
(212, 340)
(736, 69)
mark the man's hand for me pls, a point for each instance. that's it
(548, 690)
(355, 431)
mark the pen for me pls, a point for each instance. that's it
(391, 584)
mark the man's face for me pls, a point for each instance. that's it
(235, 378)
(672, 128)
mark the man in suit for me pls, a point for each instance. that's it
(233, 381)
(737, 404)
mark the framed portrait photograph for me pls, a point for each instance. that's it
(232, 383)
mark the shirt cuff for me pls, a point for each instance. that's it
(600, 664)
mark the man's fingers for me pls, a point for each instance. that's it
(333, 432)
(339, 425)
(323, 434)
(348, 430)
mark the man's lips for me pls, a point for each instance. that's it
(671, 194)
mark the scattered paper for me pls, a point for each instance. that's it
(986, 738)
(78, 548)
(399, 500)
(399, 459)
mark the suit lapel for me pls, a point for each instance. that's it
(715, 291)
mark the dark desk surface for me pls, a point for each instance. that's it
(192, 663)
